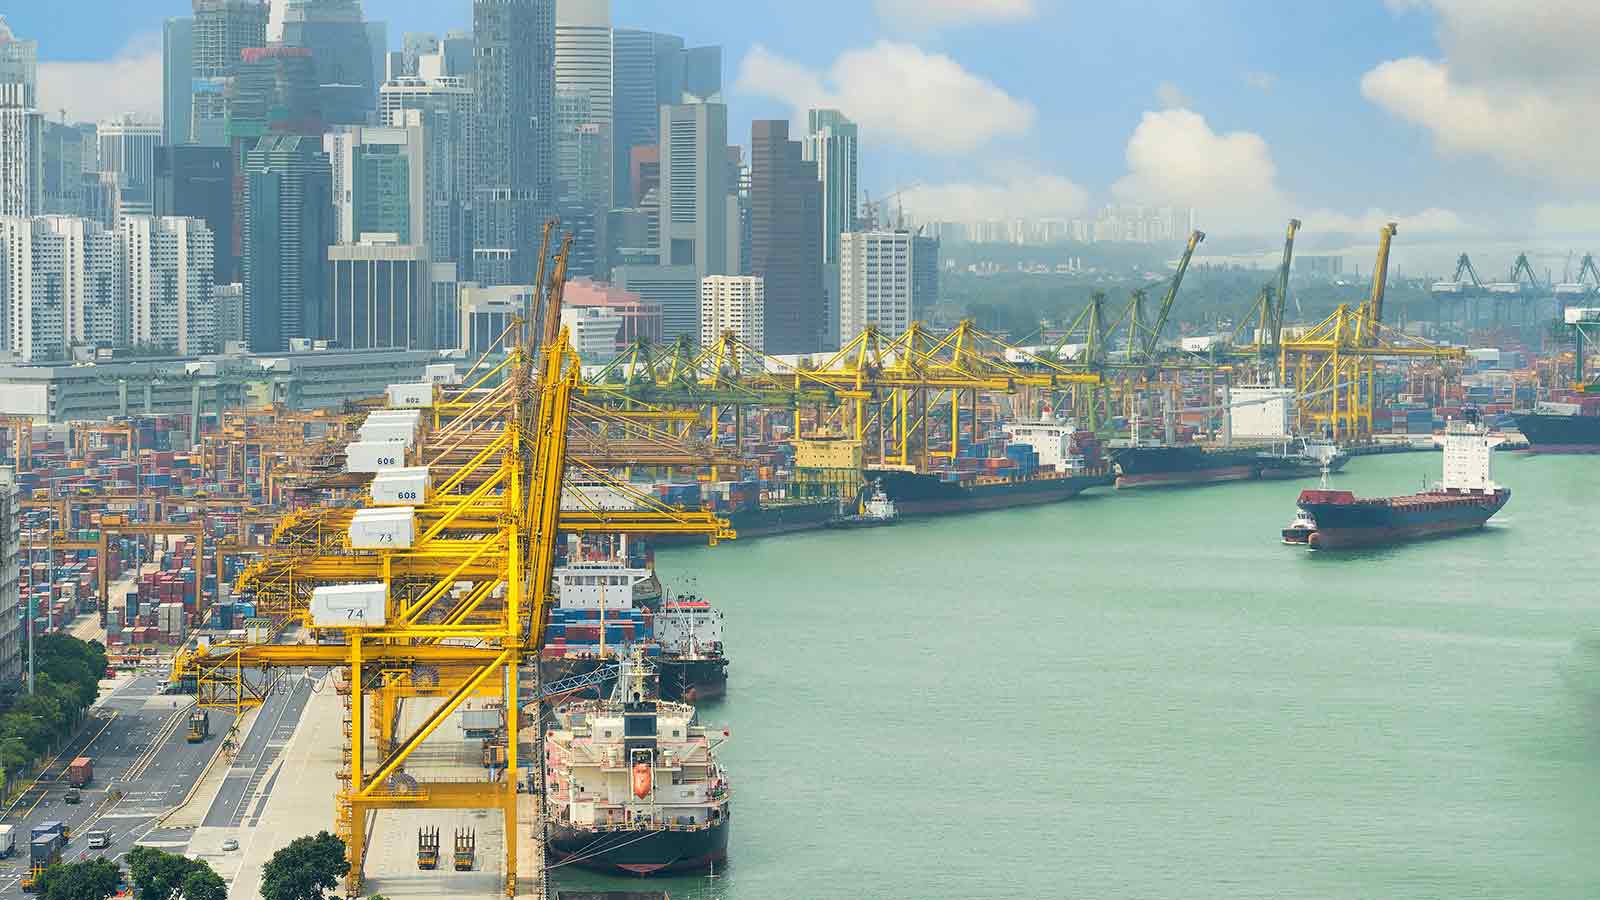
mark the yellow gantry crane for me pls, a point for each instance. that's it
(458, 613)
(1333, 366)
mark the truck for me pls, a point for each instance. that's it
(44, 851)
(427, 848)
(8, 841)
(199, 726)
(466, 849)
(81, 772)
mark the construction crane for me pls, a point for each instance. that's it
(1380, 285)
(1144, 339)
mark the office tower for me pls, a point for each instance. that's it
(94, 303)
(286, 232)
(646, 74)
(197, 182)
(229, 300)
(413, 46)
(675, 289)
(222, 30)
(695, 195)
(583, 85)
(380, 183)
(702, 75)
(924, 274)
(486, 314)
(445, 110)
(170, 289)
(732, 304)
(128, 153)
(877, 283)
(69, 151)
(515, 85)
(832, 144)
(177, 80)
(34, 280)
(641, 319)
(593, 331)
(381, 296)
(19, 64)
(786, 239)
(348, 66)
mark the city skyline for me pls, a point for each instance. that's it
(1360, 142)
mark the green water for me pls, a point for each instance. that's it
(1145, 695)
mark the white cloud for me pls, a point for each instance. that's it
(1175, 158)
(1515, 84)
(1014, 192)
(1567, 218)
(1261, 81)
(1170, 95)
(914, 15)
(898, 93)
(91, 91)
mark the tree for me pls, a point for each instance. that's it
(96, 879)
(305, 869)
(162, 876)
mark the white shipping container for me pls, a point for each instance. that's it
(401, 487)
(411, 396)
(383, 529)
(388, 433)
(395, 415)
(373, 457)
(442, 373)
(349, 606)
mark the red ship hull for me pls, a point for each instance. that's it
(1343, 521)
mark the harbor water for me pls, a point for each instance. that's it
(1146, 695)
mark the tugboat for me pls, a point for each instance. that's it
(1465, 499)
(874, 509)
(633, 784)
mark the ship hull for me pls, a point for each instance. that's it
(1183, 466)
(642, 852)
(1342, 526)
(786, 518)
(917, 494)
(1560, 434)
(681, 680)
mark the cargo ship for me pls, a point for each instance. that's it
(1301, 458)
(1183, 464)
(1465, 499)
(596, 617)
(1044, 461)
(1561, 428)
(872, 509)
(633, 783)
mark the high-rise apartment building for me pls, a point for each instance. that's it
(349, 67)
(12, 615)
(171, 300)
(222, 30)
(515, 89)
(786, 240)
(21, 127)
(732, 304)
(877, 283)
(128, 154)
(177, 80)
(197, 182)
(287, 229)
(34, 289)
(697, 203)
(443, 107)
(94, 271)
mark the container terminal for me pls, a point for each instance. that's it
(431, 596)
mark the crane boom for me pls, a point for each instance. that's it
(1283, 283)
(1380, 278)
(1153, 336)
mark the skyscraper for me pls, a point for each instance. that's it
(877, 283)
(34, 280)
(287, 229)
(128, 154)
(21, 127)
(197, 182)
(732, 304)
(70, 152)
(832, 144)
(646, 74)
(177, 80)
(786, 239)
(695, 196)
(380, 296)
(170, 289)
(515, 184)
(702, 75)
(583, 128)
(380, 183)
(348, 69)
(222, 30)
(446, 111)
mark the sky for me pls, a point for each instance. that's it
(1463, 120)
